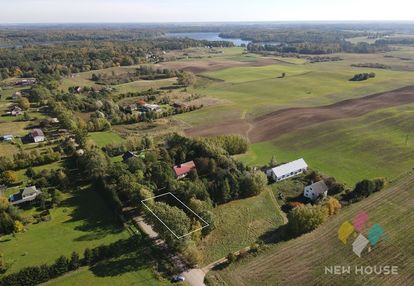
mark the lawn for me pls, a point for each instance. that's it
(104, 138)
(82, 220)
(379, 144)
(302, 261)
(239, 224)
(139, 277)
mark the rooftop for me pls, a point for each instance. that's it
(184, 168)
(289, 167)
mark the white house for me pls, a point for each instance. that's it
(37, 135)
(288, 170)
(16, 96)
(316, 190)
(7, 138)
(27, 195)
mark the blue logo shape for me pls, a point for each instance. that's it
(374, 234)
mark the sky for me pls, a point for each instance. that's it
(140, 11)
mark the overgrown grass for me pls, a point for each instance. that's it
(104, 138)
(82, 220)
(302, 261)
(239, 224)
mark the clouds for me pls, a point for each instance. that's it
(30, 11)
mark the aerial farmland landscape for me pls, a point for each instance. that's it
(159, 143)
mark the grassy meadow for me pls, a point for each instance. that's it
(82, 220)
(302, 260)
(239, 224)
(104, 138)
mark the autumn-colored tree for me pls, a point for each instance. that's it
(332, 206)
(18, 226)
(196, 235)
(305, 218)
(192, 254)
(9, 177)
(24, 103)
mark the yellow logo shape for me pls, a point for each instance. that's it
(345, 231)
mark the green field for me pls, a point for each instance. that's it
(302, 261)
(104, 138)
(81, 221)
(142, 276)
(239, 224)
(379, 144)
(258, 90)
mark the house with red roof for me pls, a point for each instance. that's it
(182, 170)
(37, 135)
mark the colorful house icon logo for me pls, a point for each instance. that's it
(358, 226)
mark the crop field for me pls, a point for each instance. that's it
(82, 220)
(239, 224)
(260, 90)
(379, 144)
(302, 261)
(371, 142)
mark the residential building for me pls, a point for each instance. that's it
(182, 170)
(128, 155)
(316, 190)
(7, 138)
(37, 135)
(16, 111)
(285, 171)
(150, 107)
(28, 194)
(16, 96)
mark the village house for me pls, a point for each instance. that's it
(37, 135)
(316, 190)
(180, 105)
(16, 111)
(182, 170)
(288, 170)
(131, 107)
(7, 138)
(28, 194)
(128, 155)
(16, 96)
(150, 107)
(25, 82)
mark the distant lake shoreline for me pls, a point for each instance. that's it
(206, 36)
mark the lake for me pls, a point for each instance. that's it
(207, 36)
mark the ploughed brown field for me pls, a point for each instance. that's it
(215, 65)
(275, 124)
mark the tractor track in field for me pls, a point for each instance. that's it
(278, 123)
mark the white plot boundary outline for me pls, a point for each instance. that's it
(169, 193)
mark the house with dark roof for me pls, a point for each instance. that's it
(182, 170)
(28, 194)
(7, 138)
(316, 190)
(37, 135)
(16, 110)
(128, 155)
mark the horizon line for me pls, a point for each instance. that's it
(211, 22)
